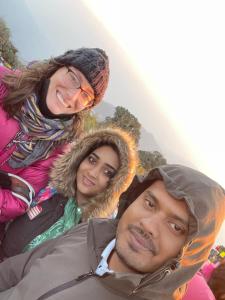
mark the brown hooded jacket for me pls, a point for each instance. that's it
(64, 268)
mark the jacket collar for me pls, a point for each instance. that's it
(100, 233)
(206, 202)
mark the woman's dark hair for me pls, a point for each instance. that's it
(101, 144)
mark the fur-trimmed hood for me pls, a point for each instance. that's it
(63, 173)
(206, 202)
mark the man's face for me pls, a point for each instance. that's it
(151, 231)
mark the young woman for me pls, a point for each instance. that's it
(86, 182)
(41, 111)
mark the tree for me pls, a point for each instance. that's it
(123, 119)
(90, 122)
(149, 160)
(7, 50)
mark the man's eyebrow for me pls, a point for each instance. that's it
(108, 165)
(174, 216)
(183, 221)
(150, 194)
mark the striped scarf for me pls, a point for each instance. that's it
(39, 136)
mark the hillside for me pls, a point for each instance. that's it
(147, 140)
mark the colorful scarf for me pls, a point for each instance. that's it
(39, 134)
(70, 218)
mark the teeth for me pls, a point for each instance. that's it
(59, 96)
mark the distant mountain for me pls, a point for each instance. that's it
(147, 141)
(104, 110)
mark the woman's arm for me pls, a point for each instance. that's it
(37, 175)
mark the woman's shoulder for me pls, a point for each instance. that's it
(3, 70)
(198, 289)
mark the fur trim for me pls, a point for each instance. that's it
(63, 173)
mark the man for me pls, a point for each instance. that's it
(160, 241)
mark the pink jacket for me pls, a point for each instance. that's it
(36, 174)
(198, 288)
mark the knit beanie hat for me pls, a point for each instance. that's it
(93, 63)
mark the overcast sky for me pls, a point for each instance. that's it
(167, 63)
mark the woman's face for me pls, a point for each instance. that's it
(95, 172)
(69, 92)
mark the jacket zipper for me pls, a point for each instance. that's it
(157, 277)
(9, 145)
(66, 285)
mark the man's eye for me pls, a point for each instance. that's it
(149, 202)
(177, 228)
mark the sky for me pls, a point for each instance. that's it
(167, 64)
(177, 49)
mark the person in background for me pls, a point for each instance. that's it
(86, 182)
(216, 281)
(162, 238)
(197, 287)
(40, 112)
(208, 283)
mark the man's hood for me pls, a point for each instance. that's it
(206, 201)
(64, 171)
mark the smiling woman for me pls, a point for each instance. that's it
(86, 182)
(41, 111)
(95, 172)
(69, 92)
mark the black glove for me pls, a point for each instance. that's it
(5, 180)
(19, 187)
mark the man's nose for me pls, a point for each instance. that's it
(152, 225)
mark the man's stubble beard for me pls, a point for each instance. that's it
(123, 258)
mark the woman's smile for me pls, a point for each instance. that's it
(87, 181)
(61, 99)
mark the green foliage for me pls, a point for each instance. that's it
(123, 119)
(149, 160)
(90, 122)
(7, 50)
